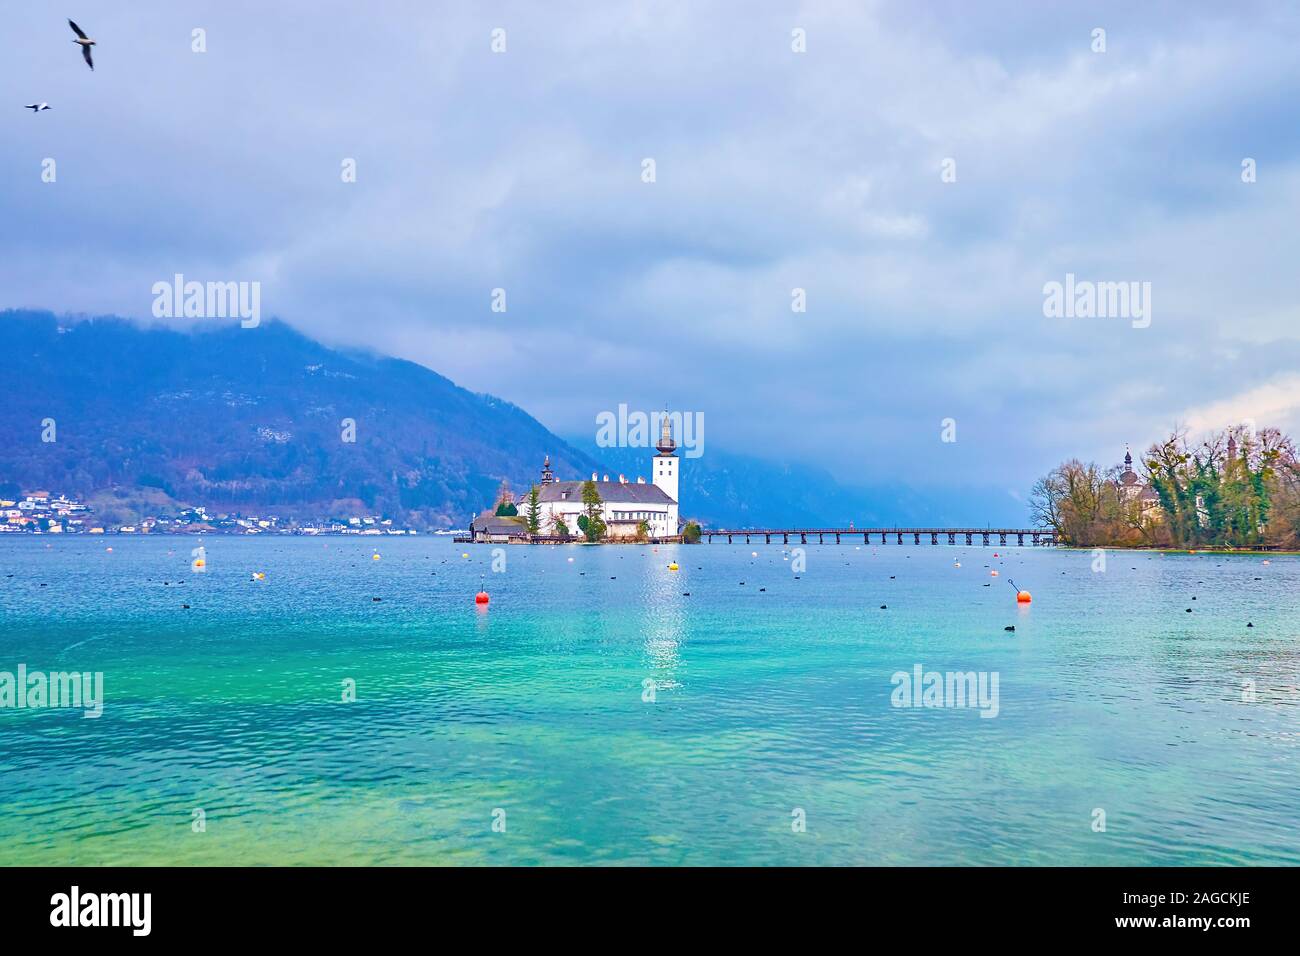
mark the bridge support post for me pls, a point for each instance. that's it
(785, 538)
(1035, 537)
(1002, 539)
(803, 538)
(986, 539)
(767, 539)
(934, 537)
(728, 539)
(968, 541)
(916, 538)
(1020, 540)
(837, 537)
(866, 538)
(900, 537)
(821, 539)
(952, 537)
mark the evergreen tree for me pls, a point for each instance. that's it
(533, 514)
(594, 526)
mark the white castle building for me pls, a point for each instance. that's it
(626, 503)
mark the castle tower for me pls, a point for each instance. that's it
(548, 476)
(665, 462)
(1128, 476)
(1129, 484)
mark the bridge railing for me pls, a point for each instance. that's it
(1036, 536)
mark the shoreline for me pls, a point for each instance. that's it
(1216, 551)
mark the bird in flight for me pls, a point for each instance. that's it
(85, 43)
(37, 107)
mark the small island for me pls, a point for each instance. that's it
(595, 510)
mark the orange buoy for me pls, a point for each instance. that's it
(993, 574)
(1023, 597)
(481, 597)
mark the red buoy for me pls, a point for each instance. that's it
(481, 597)
(1022, 597)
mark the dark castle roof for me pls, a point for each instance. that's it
(642, 494)
(491, 523)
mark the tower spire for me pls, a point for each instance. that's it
(665, 463)
(666, 445)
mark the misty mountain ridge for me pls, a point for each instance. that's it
(256, 419)
(266, 420)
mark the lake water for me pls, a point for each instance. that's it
(771, 705)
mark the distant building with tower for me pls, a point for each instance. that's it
(1132, 488)
(625, 503)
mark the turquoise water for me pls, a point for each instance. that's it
(766, 702)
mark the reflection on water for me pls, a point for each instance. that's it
(662, 616)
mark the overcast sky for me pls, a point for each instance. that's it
(775, 170)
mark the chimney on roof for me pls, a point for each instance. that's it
(593, 476)
(622, 480)
(640, 480)
(606, 478)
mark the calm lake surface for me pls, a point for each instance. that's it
(766, 703)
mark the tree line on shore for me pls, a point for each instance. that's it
(1239, 488)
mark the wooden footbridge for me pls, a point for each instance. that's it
(1037, 536)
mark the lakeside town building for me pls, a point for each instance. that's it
(40, 512)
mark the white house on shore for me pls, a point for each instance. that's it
(625, 504)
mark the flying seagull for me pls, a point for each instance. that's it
(85, 42)
(37, 107)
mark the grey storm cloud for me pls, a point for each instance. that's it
(775, 170)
